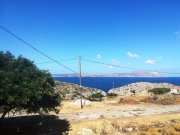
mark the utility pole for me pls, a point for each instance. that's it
(80, 81)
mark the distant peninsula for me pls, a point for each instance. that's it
(132, 74)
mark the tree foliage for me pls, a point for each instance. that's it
(96, 97)
(25, 87)
(159, 91)
(112, 95)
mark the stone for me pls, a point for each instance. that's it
(84, 102)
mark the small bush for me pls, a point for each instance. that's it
(96, 97)
(168, 128)
(155, 98)
(121, 100)
(112, 95)
(159, 91)
(177, 127)
(159, 100)
(166, 101)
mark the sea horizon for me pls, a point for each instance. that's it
(107, 83)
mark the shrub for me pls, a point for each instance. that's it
(112, 95)
(155, 98)
(96, 97)
(159, 91)
(121, 100)
(158, 100)
(166, 101)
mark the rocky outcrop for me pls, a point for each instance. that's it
(140, 88)
(72, 91)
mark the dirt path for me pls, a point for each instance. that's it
(138, 110)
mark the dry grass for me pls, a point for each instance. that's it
(157, 99)
(145, 125)
(162, 99)
(113, 103)
(142, 125)
(70, 107)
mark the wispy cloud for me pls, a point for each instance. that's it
(150, 61)
(98, 57)
(114, 62)
(177, 34)
(132, 55)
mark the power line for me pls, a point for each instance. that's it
(46, 62)
(27, 44)
(108, 64)
(53, 60)
(124, 67)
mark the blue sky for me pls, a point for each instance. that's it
(144, 34)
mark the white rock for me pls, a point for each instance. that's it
(129, 129)
(84, 102)
(140, 88)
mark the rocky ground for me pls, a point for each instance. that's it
(119, 112)
(101, 118)
(72, 91)
(140, 88)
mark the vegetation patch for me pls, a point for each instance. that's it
(96, 97)
(35, 125)
(128, 101)
(159, 91)
(24, 87)
(106, 127)
(112, 95)
(163, 100)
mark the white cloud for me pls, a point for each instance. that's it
(150, 61)
(177, 34)
(156, 73)
(132, 55)
(98, 57)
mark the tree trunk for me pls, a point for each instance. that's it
(4, 114)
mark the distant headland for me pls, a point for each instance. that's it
(132, 74)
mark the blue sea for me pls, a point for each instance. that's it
(106, 83)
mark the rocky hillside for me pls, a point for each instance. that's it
(72, 91)
(140, 88)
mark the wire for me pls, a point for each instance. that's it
(53, 60)
(108, 64)
(124, 67)
(27, 44)
(45, 62)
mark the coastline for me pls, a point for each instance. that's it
(106, 83)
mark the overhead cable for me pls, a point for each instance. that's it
(37, 50)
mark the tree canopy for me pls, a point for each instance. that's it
(96, 97)
(25, 87)
(159, 91)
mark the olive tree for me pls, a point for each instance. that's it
(25, 87)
